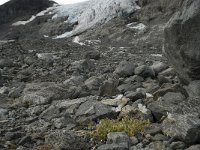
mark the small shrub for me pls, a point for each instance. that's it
(129, 125)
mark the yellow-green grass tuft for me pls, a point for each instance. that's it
(129, 125)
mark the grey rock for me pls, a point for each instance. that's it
(133, 79)
(93, 55)
(16, 92)
(181, 50)
(133, 96)
(129, 87)
(44, 93)
(109, 88)
(117, 138)
(13, 135)
(66, 122)
(82, 66)
(24, 140)
(157, 145)
(134, 140)
(153, 129)
(159, 137)
(3, 112)
(177, 145)
(93, 84)
(4, 89)
(151, 85)
(1, 80)
(74, 81)
(113, 147)
(168, 103)
(193, 89)
(39, 126)
(94, 110)
(145, 71)
(125, 69)
(194, 147)
(168, 72)
(182, 127)
(63, 107)
(62, 139)
(6, 63)
(36, 110)
(162, 80)
(158, 67)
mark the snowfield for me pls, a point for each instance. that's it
(91, 13)
(88, 14)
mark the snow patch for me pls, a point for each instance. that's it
(156, 55)
(42, 13)
(136, 26)
(6, 41)
(142, 108)
(77, 41)
(64, 35)
(46, 36)
(92, 42)
(47, 56)
(148, 95)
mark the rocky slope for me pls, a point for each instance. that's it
(52, 90)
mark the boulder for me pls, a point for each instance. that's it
(93, 84)
(118, 137)
(125, 69)
(92, 110)
(194, 147)
(62, 108)
(157, 145)
(116, 141)
(82, 66)
(3, 112)
(6, 63)
(168, 103)
(92, 55)
(113, 147)
(182, 41)
(129, 87)
(119, 102)
(182, 127)
(62, 139)
(16, 91)
(133, 96)
(43, 93)
(145, 71)
(109, 88)
(74, 81)
(159, 66)
(177, 145)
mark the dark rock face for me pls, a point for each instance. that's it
(22, 8)
(182, 41)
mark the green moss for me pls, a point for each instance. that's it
(129, 125)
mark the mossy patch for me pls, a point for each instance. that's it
(129, 125)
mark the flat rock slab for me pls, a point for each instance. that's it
(183, 127)
(43, 93)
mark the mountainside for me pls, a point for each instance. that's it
(22, 9)
(101, 74)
